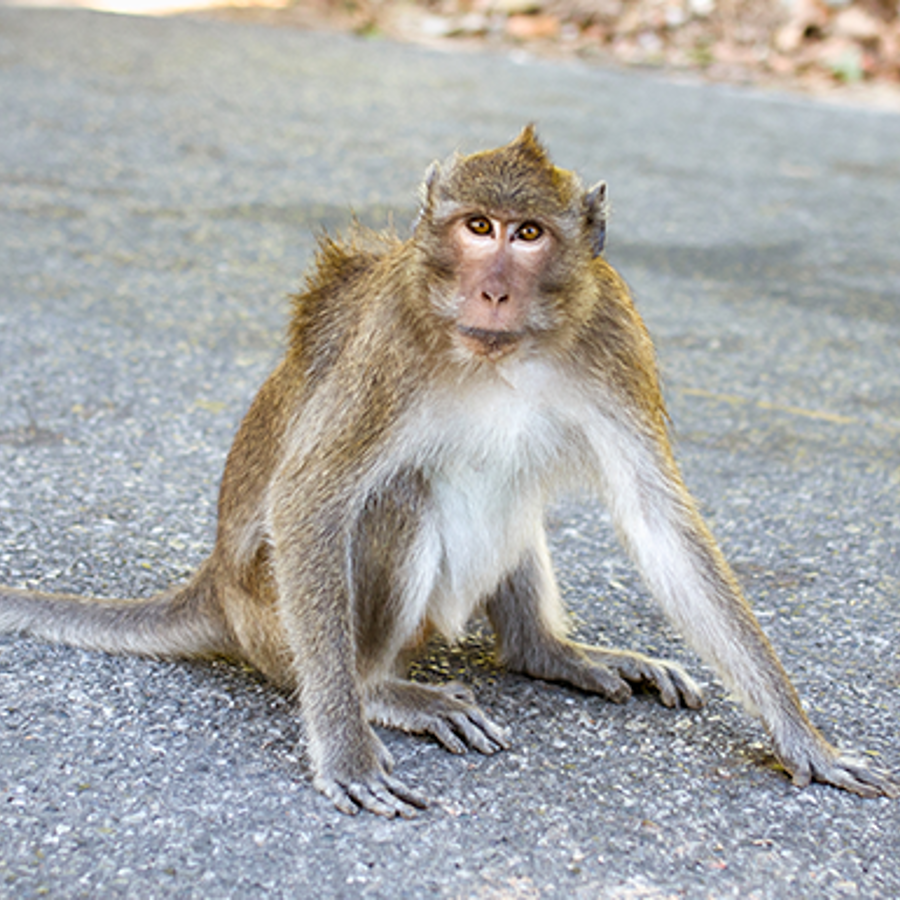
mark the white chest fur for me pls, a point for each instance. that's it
(493, 449)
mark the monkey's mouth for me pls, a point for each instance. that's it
(492, 344)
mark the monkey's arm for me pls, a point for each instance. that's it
(688, 575)
(308, 529)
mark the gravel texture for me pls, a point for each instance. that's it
(161, 184)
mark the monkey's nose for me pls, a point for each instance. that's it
(494, 297)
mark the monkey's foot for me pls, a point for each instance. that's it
(608, 672)
(364, 783)
(814, 759)
(448, 713)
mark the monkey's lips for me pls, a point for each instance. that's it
(491, 344)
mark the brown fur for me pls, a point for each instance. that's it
(390, 476)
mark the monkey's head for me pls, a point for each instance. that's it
(507, 237)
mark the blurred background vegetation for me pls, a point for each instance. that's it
(812, 43)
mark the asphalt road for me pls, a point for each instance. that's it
(161, 183)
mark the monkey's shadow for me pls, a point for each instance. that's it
(500, 693)
(249, 717)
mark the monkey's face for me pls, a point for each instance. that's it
(507, 241)
(499, 264)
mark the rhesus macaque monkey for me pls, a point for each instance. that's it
(392, 474)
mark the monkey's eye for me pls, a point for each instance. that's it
(530, 231)
(480, 225)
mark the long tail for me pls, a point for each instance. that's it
(183, 622)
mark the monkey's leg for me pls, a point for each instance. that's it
(526, 614)
(447, 712)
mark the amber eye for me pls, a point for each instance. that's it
(479, 225)
(529, 232)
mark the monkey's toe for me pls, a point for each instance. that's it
(602, 680)
(675, 686)
(463, 728)
(446, 712)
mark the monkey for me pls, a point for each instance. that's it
(390, 480)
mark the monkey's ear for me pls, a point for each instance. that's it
(426, 194)
(596, 212)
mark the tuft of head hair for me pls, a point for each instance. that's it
(518, 177)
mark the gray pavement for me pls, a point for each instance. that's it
(161, 182)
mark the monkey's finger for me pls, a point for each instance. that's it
(369, 800)
(856, 775)
(337, 795)
(850, 783)
(408, 795)
(385, 760)
(379, 799)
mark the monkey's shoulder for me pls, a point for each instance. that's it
(343, 260)
(344, 275)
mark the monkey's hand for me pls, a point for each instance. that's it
(362, 781)
(448, 713)
(812, 758)
(607, 672)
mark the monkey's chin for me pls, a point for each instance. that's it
(487, 344)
